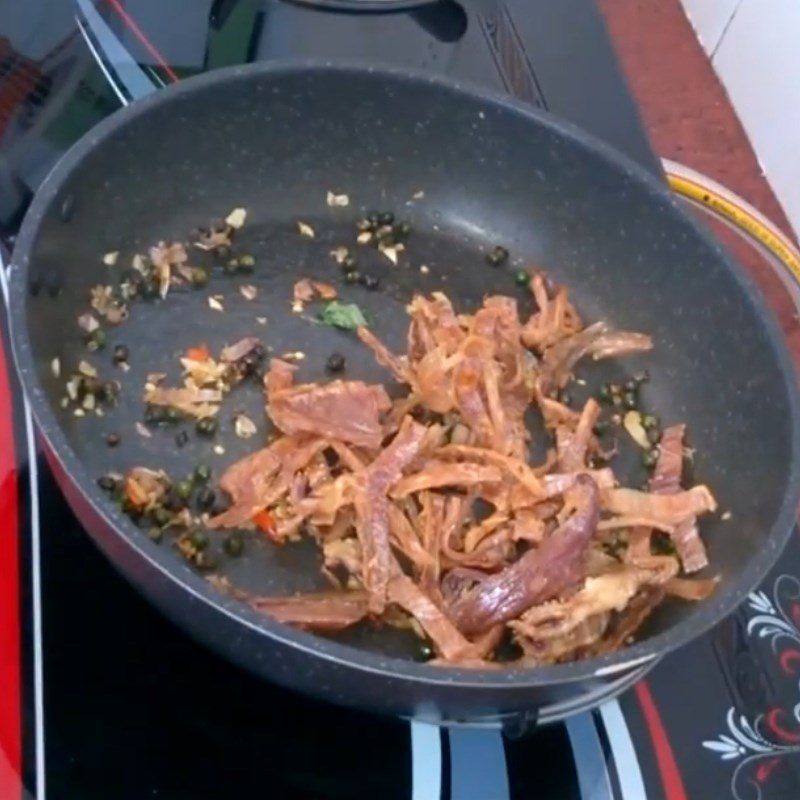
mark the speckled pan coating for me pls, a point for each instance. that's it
(275, 138)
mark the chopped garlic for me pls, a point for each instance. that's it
(305, 230)
(418, 195)
(339, 254)
(236, 218)
(364, 237)
(109, 259)
(55, 367)
(424, 269)
(725, 516)
(79, 412)
(72, 388)
(337, 199)
(85, 368)
(244, 426)
(137, 262)
(248, 291)
(390, 252)
(143, 430)
(261, 320)
(214, 302)
(88, 323)
(219, 449)
(297, 307)
(632, 422)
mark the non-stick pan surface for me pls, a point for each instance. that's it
(275, 139)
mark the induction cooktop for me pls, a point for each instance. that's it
(102, 698)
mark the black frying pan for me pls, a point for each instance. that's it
(274, 139)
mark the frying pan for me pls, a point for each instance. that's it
(274, 138)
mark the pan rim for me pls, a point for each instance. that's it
(345, 656)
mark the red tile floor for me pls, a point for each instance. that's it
(690, 120)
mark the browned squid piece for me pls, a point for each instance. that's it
(563, 625)
(540, 574)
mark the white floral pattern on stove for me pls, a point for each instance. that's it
(759, 743)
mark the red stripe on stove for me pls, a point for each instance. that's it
(665, 758)
(142, 37)
(10, 652)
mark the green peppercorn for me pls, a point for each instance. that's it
(521, 278)
(629, 400)
(207, 426)
(154, 534)
(96, 340)
(112, 439)
(202, 473)
(650, 421)
(246, 263)
(335, 363)
(653, 435)
(161, 516)
(206, 498)
(234, 544)
(600, 428)
(200, 277)
(107, 483)
(642, 377)
(385, 218)
(352, 277)
(198, 539)
(373, 218)
(184, 489)
(496, 256)
(424, 652)
(604, 394)
(650, 458)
